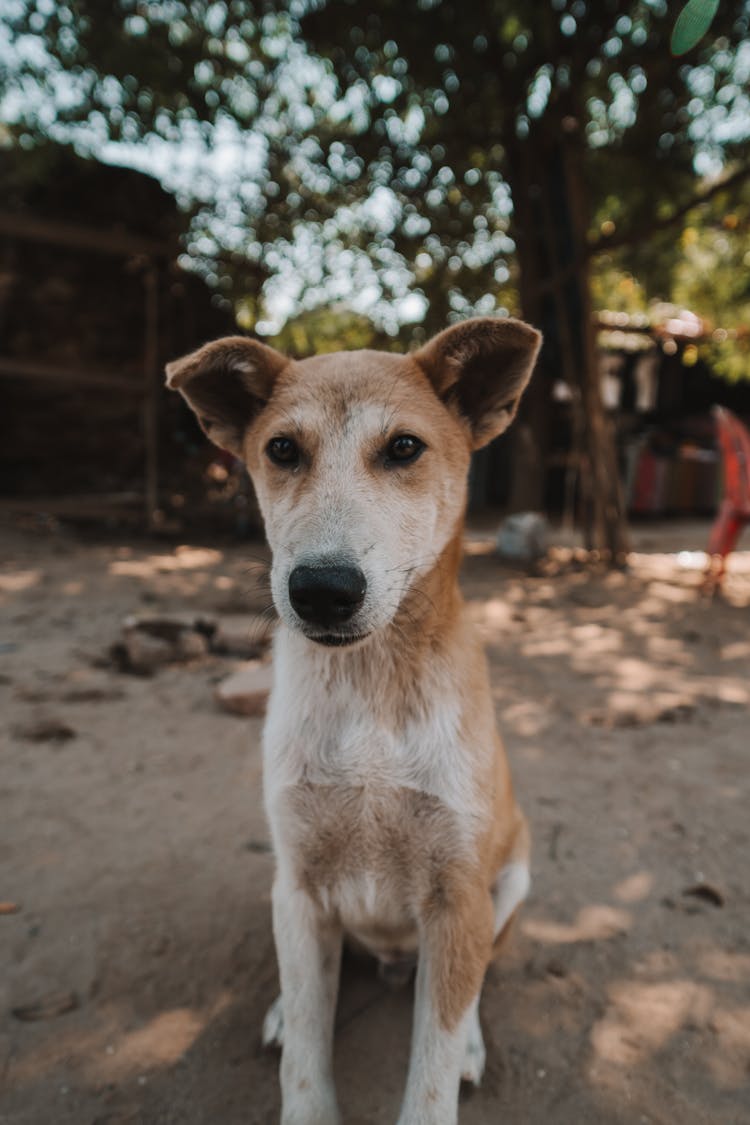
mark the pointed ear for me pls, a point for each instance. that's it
(227, 383)
(480, 368)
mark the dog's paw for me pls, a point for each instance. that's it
(396, 974)
(273, 1025)
(472, 1067)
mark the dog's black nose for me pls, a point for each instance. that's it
(326, 595)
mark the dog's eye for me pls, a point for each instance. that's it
(404, 448)
(283, 451)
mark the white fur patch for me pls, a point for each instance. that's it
(511, 887)
(321, 729)
(273, 1025)
(475, 1055)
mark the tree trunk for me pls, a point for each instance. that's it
(531, 430)
(607, 521)
(550, 225)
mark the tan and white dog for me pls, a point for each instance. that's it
(386, 785)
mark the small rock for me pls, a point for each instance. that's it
(92, 695)
(245, 692)
(149, 642)
(46, 730)
(32, 694)
(46, 1008)
(706, 891)
(591, 596)
(556, 968)
(190, 646)
(676, 713)
(168, 628)
(9, 908)
(625, 710)
(117, 1118)
(140, 654)
(523, 537)
(247, 637)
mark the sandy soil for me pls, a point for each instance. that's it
(132, 843)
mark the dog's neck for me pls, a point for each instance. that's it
(433, 603)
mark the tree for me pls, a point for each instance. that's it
(560, 105)
(466, 152)
(712, 277)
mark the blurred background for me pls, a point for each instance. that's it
(330, 174)
(342, 174)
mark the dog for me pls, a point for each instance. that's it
(386, 785)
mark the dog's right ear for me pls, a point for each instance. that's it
(227, 383)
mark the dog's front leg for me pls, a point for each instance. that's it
(455, 949)
(308, 947)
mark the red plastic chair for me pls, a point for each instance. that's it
(734, 510)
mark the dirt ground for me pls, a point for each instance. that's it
(135, 871)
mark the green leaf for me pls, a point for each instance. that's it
(692, 24)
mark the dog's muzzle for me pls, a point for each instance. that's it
(327, 596)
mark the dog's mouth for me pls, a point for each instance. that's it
(337, 640)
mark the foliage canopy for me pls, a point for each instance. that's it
(376, 148)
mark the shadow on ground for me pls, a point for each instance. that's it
(135, 854)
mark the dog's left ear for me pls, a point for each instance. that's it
(227, 383)
(480, 368)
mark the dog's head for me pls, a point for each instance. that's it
(359, 459)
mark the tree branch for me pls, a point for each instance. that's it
(628, 237)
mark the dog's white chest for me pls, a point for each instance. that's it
(366, 806)
(325, 730)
